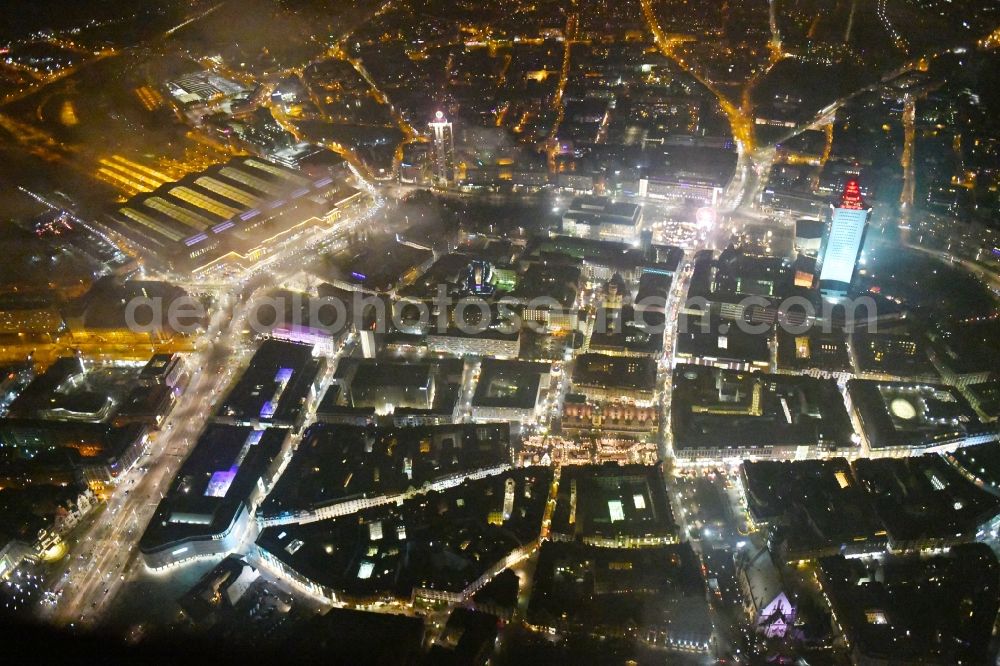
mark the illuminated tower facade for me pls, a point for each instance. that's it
(849, 220)
(444, 150)
(508, 499)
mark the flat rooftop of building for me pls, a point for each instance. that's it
(654, 288)
(446, 272)
(734, 275)
(62, 447)
(337, 462)
(611, 501)
(378, 379)
(440, 540)
(826, 351)
(606, 590)
(917, 609)
(274, 386)
(713, 339)
(667, 257)
(900, 414)
(214, 483)
(476, 331)
(508, 383)
(969, 345)
(446, 397)
(344, 636)
(923, 497)
(892, 353)
(624, 331)
(986, 396)
(818, 503)
(158, 366)
(584, 248)
(501, 251)
(615, 372)
(39, 392)
(613, 254)
(375, 374)
(604, 206)
(227, 207)
(809, 229)
(716, 408)
(549, 281)
(76, 404)
(379, 264)
(147, 403)
(980, 464)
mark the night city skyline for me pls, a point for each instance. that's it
(418, 333)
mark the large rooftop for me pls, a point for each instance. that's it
(710, 339)
(896, 354)
(227, 207)
(626, 332)
(274, 387)
(915, 609)
(213, 485)
(980, 464)
(969, 345)
(439, 540)
(716, 408)
(339, 462)
(91, 413)
(548, 281)
(504, 383)
(380, 264)
(916, 416)
(614, 504)
(816, 505)
(826, 351)
(614, 372)
(609, 590)
(923, 499)
(604, 208)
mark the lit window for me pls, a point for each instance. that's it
(875, 617)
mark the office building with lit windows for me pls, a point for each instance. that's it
(843, 247)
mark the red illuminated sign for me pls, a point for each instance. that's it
(852, 196)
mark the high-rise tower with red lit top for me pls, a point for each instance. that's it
(849, 220)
